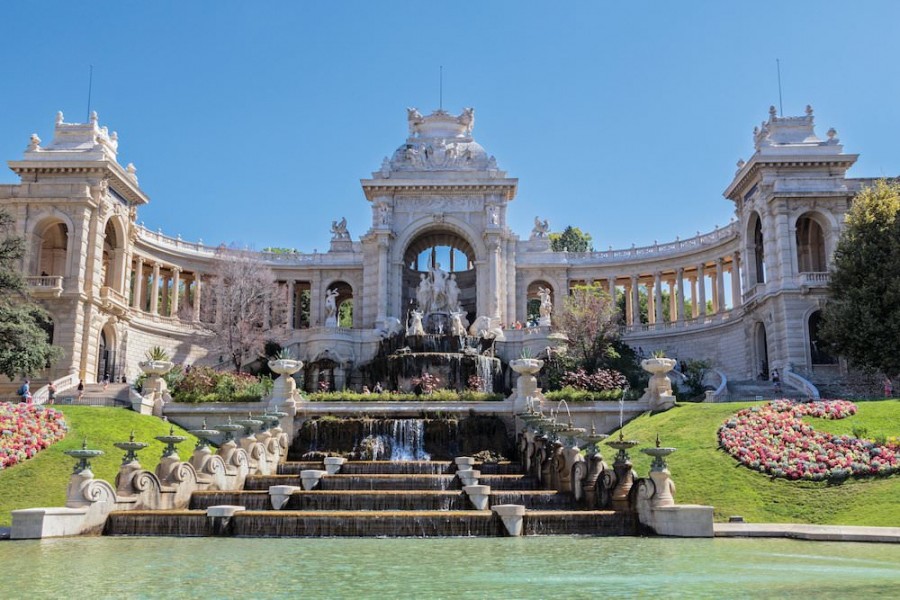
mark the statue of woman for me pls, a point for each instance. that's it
(546, 304)
(331, 308)
(452, 294)
(438, 288)
(423, 294)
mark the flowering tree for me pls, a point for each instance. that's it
(587, 318)
(247, 309)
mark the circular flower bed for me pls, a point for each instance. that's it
(773, 439)
(26, 429)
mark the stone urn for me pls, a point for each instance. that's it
(659, 390)
(284, 390)
(156, 367)
(526, 385)
(155, 391)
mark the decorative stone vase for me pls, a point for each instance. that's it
(155, 392)
(284, 390)
(156, 367)
(659, 390)
(526, 384)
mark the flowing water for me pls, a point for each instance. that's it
(563, 567)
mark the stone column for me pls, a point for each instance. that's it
(651, 304)
(736, 280)
(679, 282)
(176, 283)
(494, 291)
(198, 290)
(383, 280)
(657, 297)
(673, 305)
(612, 289)
(635, 301)
(166, 305)
(137, 300)
(154, 290)
(291, 303)
(720, 285)
(701, 290)
(695, 304)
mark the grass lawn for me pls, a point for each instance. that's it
(703, 474)
(42, 480)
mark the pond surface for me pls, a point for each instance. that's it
(531, 567)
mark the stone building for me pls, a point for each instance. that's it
(746, 295)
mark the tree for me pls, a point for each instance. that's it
(572, 239)
(25, 347)
(588, 319)
(862, 318)
(245, 304)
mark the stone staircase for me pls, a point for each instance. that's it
(754, 389)
(115, 394)
(379, 498)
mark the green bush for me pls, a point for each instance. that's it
(436, 396)
(203, 384)
(570, 394)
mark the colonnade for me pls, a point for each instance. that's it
(682, 283)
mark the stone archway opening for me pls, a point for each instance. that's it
(53, 250)
(439, 277)
(757, 251)
(810, 239)
(533, 301)
(761, 348)
(106, 355)
(113, 257)
(343, 303)
(818, 350)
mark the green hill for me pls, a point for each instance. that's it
(42, 480)
(703, 474)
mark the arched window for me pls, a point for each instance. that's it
(446, 263)
(810, 245)
(54, 239)
(343, 302)
(533, 306)
(759, 251)
(818, 351)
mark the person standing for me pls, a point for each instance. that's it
(776, 379)
(51, 393)
(888, 387)
(80, 389)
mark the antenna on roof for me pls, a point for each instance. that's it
(441, 97)
(780, 107)
(90, 85)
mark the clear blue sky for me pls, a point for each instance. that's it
(252, 122)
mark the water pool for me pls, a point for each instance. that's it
(531, 567)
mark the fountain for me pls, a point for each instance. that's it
(659, 389)
(171, 442)
(131, 448)
(83, 454)
(659, 474)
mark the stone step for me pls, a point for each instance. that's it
(418, 523)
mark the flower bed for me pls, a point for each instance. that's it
(773, 439)
(26, 429)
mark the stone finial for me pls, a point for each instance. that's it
(59, 117)
(740, 164)
(34, 143)
(93, 117)
(809, 110)
(772, 112)
(132, 170)
(832, 133)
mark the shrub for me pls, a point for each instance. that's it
(600, 381)
(436, 396)
(203, 384)
(570, 394)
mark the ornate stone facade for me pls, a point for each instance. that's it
(746, 295)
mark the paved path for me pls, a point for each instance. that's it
(822, 533)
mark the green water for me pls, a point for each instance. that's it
(536, 567)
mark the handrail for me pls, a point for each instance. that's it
(42, 394)
(801, 384)
(719, 392)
